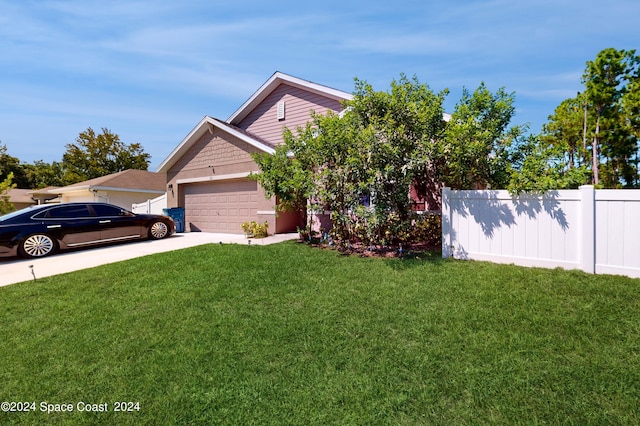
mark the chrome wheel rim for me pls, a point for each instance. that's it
(38, 245)
(159, 230)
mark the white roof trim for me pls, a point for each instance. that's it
(213, 178)
(102, 188)
(72, 189)
(119, 189)
(205, 126)
(273, 82)
(244, 137)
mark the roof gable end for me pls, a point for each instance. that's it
(207, 124)
(276, 80)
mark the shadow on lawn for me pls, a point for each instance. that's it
(413, 259)
(413, 256)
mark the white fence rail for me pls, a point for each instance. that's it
(153, 206)
(597, 231)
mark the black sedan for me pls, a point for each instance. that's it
(38, 231)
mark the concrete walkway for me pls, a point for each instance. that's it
(14, 270)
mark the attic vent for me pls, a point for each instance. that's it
(281, 110)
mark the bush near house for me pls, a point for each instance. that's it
(255, 230)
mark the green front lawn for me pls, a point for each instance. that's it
(288, 334)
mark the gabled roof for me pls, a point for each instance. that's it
(273, 82)
(22, 196)
(130, 180)
(208, 124)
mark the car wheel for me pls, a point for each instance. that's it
(158, 230)
(37, 245)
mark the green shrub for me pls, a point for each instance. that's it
(427, 229)
(255, 230)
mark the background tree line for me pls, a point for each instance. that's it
(92, 155)
(591, 138)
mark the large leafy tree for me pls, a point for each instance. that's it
(94, 155)
(566, 130)
(12, 165)
(376, 150)
(605, 81)
(41, 174)
(557, 158)
(474, 151)
(287, 177)
(362, 164)
(5, 186)
(6, 180)
(631, 117)
(396, 135)
(538, 166)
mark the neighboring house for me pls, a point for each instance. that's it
(122, 189)
(207, 173)
(45, 195)
(20, 198)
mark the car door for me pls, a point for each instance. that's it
(116, 223)
(73, 224)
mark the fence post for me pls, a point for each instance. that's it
(445, 220)
(587, 237)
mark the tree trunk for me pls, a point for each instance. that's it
(584, 129)
(595, 151)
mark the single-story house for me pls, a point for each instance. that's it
(22, 198)
(207, 173)
(122, 188)
(45, 195)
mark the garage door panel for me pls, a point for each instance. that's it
(220, 206)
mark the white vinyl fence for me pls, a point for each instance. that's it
(597, 231)
(153, 206)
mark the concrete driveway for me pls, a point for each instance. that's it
(14, 270)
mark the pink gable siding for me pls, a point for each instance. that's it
(263, 121)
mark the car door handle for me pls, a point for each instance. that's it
(53, 226)
(105, 221)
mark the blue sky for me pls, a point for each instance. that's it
(149, 70)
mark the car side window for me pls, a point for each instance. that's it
(105, 210)
(67, 212)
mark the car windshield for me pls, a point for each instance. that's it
(22, 211)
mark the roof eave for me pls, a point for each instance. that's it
(206, 125)
(69, 189)
(121, 189)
